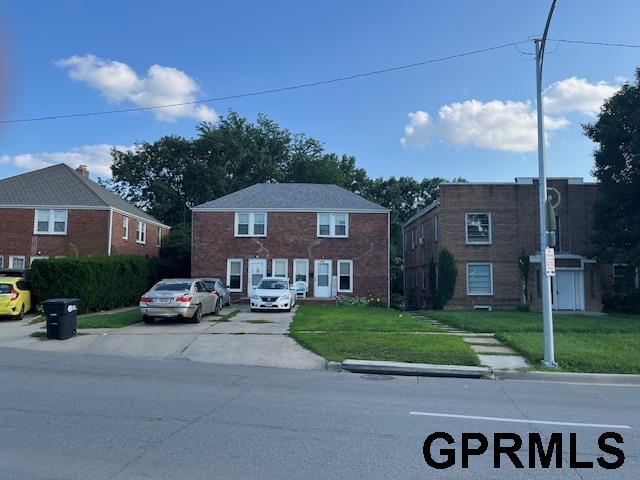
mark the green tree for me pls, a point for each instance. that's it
(442, 282)
(617, 169)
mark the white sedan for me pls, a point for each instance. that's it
(273, 293)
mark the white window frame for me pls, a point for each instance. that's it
(13, 257)
(295, 270)
(484, 264)
(332, 225)
(237, 260)
(435, 229)
(1, 261)
(466, 229)
(252, 222)
(286, 267)
(350, 262)
(422, 233)
(125, 227)
(38, 257)
(141, 232)
(51, 221)
(613, 273)
(159, 240)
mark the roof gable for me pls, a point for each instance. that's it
(292, 197)
(60, 185)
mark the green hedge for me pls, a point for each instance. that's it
(100, 282)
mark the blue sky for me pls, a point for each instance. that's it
(472, 117)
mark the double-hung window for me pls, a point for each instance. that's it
(279, 267)
(479, 279)
(141, 233)
(478, 228)
(125, 228)
(301, 270)
(16, 262)
(333, 225)
(251, 224)
(51, 222)
(159, 240)
(234, 274)
(345, 275)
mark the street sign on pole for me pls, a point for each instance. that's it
(550, 262)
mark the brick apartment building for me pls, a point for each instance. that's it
(58, 211)
(487, 227)
(332, 239)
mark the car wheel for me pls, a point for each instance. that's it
(197, 316)
(21, 314)
(218, 307)
(147, 319)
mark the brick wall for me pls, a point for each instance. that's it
(292, 235)
(87, 233)
(130, 246)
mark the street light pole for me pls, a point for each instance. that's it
(547, 313)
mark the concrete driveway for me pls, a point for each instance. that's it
(256, 339)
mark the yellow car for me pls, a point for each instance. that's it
(15, 296)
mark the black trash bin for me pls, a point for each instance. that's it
(61, 317)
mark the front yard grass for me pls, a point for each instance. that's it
(583, 343)
(109, 320)
(371, 333)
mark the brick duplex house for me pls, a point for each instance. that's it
(58, 211)
(332, 239)
(487, 227)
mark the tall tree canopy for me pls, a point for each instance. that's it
(172, 174)
(617, 169)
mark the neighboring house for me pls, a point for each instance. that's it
(332, 239)
(57, 212)
(487, 227)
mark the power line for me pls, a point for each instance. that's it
(273, 90)
(310, 84)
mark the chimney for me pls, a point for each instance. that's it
(83, 170)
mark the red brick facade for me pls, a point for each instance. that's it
(129, 246)
(293, 235)
(87, 234)
(514, 231)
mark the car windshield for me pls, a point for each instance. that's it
(5, 288)
(172, 287)
(273, 285)
(210, 283)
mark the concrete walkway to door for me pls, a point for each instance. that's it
(252, 339)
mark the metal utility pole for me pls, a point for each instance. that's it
(547, 313)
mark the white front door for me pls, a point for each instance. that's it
(568, 291)
(257, 271)
(322, 279)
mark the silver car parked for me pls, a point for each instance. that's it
(178, 298)
(222, 290)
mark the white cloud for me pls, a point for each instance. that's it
(417, 131)
(495, 125)
(118, 82)
(575, 94)
(96, 157)
(506, 125)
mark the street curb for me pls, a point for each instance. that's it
(419, 369)
(334, 366)
(595, 378)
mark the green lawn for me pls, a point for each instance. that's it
(583, 343)
(109, 320)
(370, 333)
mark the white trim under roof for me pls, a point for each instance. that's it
(298, 210)
(87, 207)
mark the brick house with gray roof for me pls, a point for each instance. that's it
(58, 211)
(334, 240)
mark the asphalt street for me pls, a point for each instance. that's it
(65, 416)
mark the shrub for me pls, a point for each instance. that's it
(443, 284)
(361, 301)
(100, 282)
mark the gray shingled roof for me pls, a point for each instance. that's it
(292, 196)
(61, 185)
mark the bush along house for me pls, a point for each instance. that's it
(332, 239)
(58, 211)
(491, 229)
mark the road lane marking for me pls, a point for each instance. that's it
(519, 420)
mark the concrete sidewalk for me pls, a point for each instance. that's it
(235, 342)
